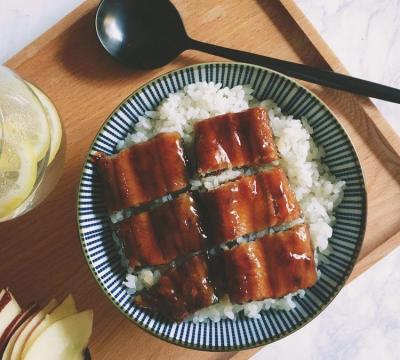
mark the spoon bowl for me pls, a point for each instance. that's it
(143, 34)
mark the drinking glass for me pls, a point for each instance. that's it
(31, 145)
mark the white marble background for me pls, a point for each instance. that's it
(365, 35)
(21, 21)
(363, 322)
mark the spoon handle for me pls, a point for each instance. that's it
(304, 72)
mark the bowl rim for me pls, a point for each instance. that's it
(302, 323)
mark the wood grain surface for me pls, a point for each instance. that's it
(40, 254)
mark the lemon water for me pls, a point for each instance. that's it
(30, 136)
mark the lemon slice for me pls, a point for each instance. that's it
(18, 167)
(53, 119)
(25, 118)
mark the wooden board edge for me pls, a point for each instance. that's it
(374, 256)
(377, 119)
(52, 33)
(246, 354)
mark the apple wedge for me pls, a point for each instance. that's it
(66, 308)
(9, 310)
(15, 325)
(63, 340)
(10, 345)
(27, 331)
(80, 356)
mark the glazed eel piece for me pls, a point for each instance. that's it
(270, 267)
(181, 290)
(159, 236)
(249, 204)
(234, 140)
(143, 172)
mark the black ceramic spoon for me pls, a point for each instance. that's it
(148, 34)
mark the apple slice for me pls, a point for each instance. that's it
(25, 319)
(10, 346)
(9, 310)
(64, 340)
(66, 308)
(79, 356)
(35, 321)
(15, 324)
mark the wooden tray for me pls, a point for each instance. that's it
(41, 255)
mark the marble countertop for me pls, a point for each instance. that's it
(365, 35)
(363, 322)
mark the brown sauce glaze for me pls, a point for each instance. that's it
(181, 290)
(140, 241)
(249, 204)
(217, 273)
(290, 259)
(247, 273)
(270, 267)
(282, 202)
(234, 140)
(163, 234)
(106, 170)
(143, 172)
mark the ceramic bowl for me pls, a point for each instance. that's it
(103, 257)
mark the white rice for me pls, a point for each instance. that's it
(181, 110)
(318, 192)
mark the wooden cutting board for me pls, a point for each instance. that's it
(40, 253)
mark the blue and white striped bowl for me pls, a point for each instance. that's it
(104, 260)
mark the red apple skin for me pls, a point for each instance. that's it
(15, 324)
(5, 299)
